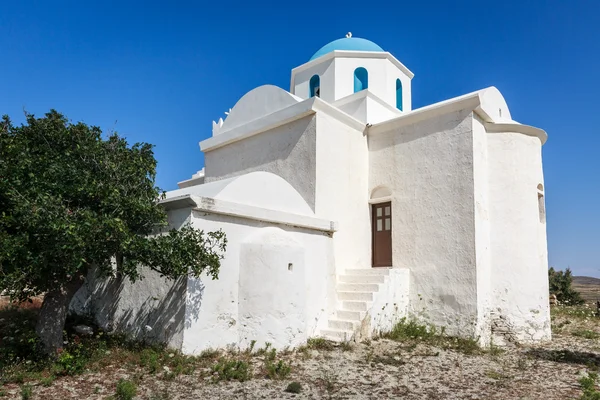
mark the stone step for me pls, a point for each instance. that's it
(368, 271)
(356, 316)
(358, 296)
(337, 335)
(340, 324)
(357, 287)
(361, 278)
(354, 306)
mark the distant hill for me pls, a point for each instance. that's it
(586, 280)
(588, 287)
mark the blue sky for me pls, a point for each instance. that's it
(161, 72)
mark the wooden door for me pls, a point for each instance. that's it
(381, 227)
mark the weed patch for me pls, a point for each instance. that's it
(231, 370)
(126, 390)
(411, 331)
(320, 344)
(586, 334)
(588, 387)
(293, 387)
(26, 392)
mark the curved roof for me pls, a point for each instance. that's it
(258, 189)
(347, 44)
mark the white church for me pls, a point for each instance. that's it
(345, 210)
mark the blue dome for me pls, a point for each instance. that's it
(348, 44)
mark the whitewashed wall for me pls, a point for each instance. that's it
(342, 190)
(151, 309)
(215, 316)
(326, 72)
(288, 151)
(337, 77)
(482, 231)
(428, 166)
(518, 237)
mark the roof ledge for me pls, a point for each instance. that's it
(506, 127)
(278, 118)
(482, 102)
(224, 207)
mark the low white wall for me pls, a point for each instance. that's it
(151, 309)
(428, 166)
(518, 238)
(215, 316)
(272, 302)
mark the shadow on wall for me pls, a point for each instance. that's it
(151, 310)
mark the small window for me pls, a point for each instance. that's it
(398, 94)
(315, 86)
(541, 203)
(361, 79)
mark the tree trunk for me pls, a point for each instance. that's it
(53, 314)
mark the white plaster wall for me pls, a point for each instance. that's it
(394, 73)
(429, 168)
(482, 231)
(342, 190)
(356, 108)
(213, 318)
(365, 107)
(326, 72)
(518, 238)
(390, 303)
(288, 151)
(272, 303)
(116, 304)
(377, 112)
(382, 78)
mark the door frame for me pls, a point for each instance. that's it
(374, 202)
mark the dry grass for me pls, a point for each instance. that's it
(416, 364)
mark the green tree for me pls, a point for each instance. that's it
(73, 199)
(561, 286)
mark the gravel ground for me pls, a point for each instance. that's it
(381, 369)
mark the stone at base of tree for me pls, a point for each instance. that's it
(84, 330)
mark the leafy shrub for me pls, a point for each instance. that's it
(150, 360)
(319, 344)
(588, 386)
(410, 329)
(229, 370)
(294, 387)
(126, 390)
(277, 370)
(20, 342)
(71, 362)
(26, 392)
(47, 381)
(561, 286)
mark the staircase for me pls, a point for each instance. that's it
(356, 291)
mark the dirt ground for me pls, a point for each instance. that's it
(379, 369)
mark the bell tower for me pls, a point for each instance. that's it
(351, 65)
